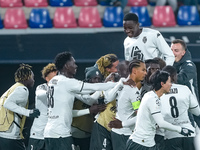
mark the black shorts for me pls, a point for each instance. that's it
(119, 141)
(160, 142)
(11, 144)
(83, 143)
(36, 144)
(100, 138)
(59, 143)
(183, 143)
(130, 145)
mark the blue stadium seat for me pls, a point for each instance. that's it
(40, 18)
(188, 15)
(113, 17)
(57, 3)
(143, 15)
(1, 23)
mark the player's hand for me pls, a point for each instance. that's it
(75, 147)
(94, 109)
(186, 132)
(115, 124)
(35, 113)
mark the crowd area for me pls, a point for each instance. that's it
(148, 101)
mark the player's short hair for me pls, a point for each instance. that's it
(148, 62)
(51, 67)
(176, 41)
(172, 71)
(135, 63)
(161, 62)
(131, 17)
(157, 77)
(23, 73)
(61, 59)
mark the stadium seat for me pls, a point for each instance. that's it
(11, 3)
(85, 2)
(57, 3)
(137, 3)
(113, 17)
(143, 15)
(163, 16)
(89, 17)
(188, 15)
(40, 18)
(36, 3)
(15, 19)
(64, 18)
(1, 23)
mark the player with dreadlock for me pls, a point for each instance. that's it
(13, 109)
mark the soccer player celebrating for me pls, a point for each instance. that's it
(175, 106)
(127, 104)
(13, 110)
(144, 43)
(61, 94)
(149, 115)
(36, 141)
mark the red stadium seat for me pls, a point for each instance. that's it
(15, 19)
(85, 2)
(11, 3)
(36, 3)
(137, 3)
(163, 16)
(89, 17)
(64, 18)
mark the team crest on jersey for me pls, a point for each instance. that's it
(97, 73)
(158, 102)
(144, 39)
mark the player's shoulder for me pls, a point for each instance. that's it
(181, 87)
(150, 31)
(43, 86)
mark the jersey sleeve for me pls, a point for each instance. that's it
(17, 97)
(164, 49)
(127, 54)
(154, 106)
(193, 106)
(41, 92)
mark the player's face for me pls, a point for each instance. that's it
(71, 67)
(178, 51)
(131, 28)
(141, 72)
(30, 82)
(153, 68)
(114, 67)
(167, 85)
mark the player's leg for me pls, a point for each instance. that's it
(118, 141)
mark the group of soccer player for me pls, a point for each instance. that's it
(135, 104)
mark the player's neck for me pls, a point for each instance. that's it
(159, 93)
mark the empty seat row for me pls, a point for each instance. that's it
(57, 3)
(89, 17)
